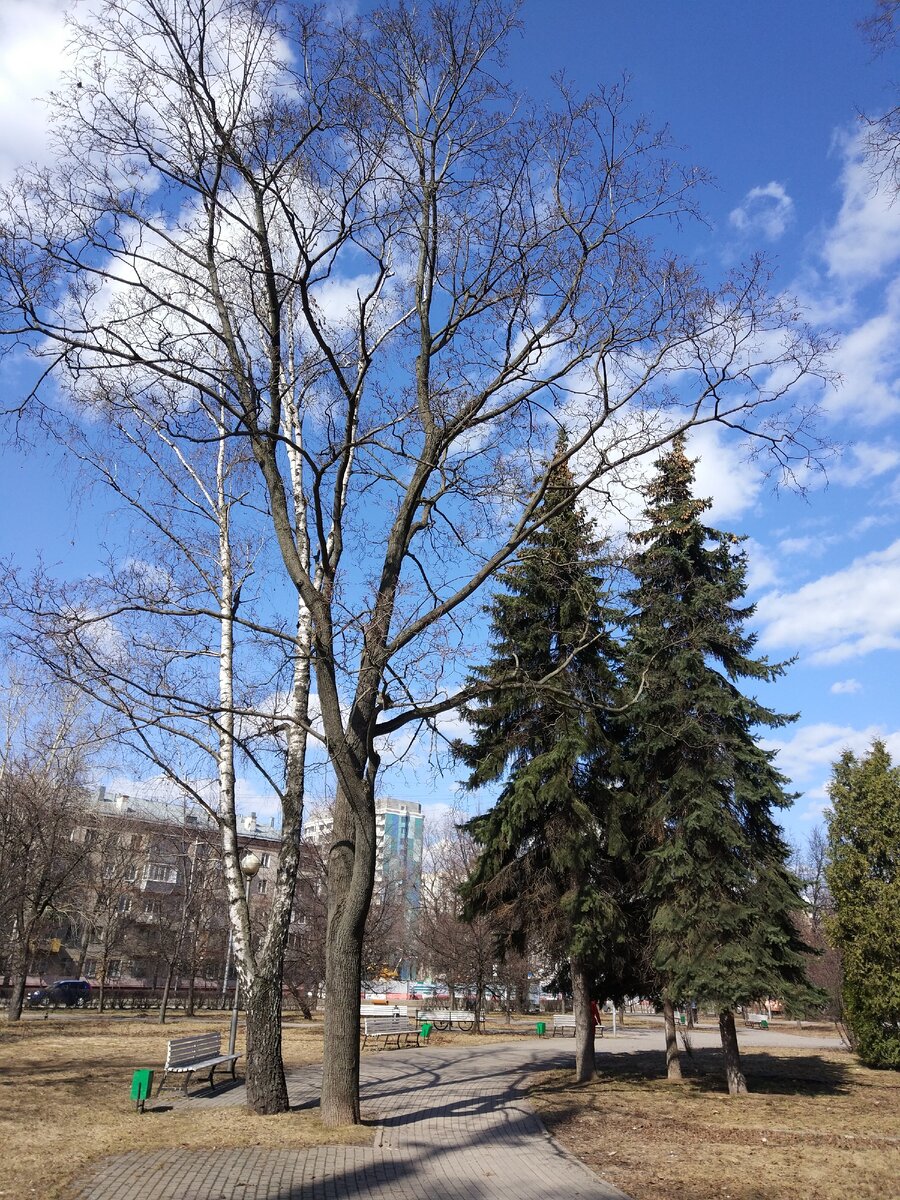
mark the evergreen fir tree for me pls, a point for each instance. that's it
(863, 875)
(549, 737)
(721, 897)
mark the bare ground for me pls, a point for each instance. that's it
(65, 1088)
(816, 1126)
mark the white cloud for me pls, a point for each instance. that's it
(766, 211)
(32, 57)
(864, 241)
(810, 748)
(762, 570)
(808, 547)
(839, 616)
(724, 472)
(845, 687)
(860, 247)
(867, 359)
(270, 715)
(865, 461)
(807, 756)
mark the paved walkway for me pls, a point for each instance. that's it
(454, 1124)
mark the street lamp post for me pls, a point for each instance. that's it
(250, 864)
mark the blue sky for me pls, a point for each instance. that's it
(766, 97)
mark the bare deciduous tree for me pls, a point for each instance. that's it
(825, 971)
(461, 954)
(104, 902)
(344, 250)
(45, 748)
(882, 132)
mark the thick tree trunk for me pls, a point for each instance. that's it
(82, 951)
(523, 997)
(673, 1061)
(16, 996)
(266, 1087)
(340, 1074)
(351, 866)
(585, 1067)
(18, 972)
(737, 1084)
(479, 1004)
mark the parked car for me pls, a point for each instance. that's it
(73, 993)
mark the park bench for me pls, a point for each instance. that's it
(756, 1021)
(383, 1010)
(564, 1023)
(385, 1030)
(446, 1018)
(201, 1053)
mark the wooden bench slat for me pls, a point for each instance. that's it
(447, 1016)
(198, 1052)
(379, 1010)
(565, 1023)
(387, 1027)
(190, 1049)
(757, 1019)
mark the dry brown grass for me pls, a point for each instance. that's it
(816, 1126)
(65, 1088)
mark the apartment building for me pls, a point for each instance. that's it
(399, 832)
(152, 902)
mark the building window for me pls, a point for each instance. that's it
(130, 873)
(123, 904)
(153, 908)
(262, 886)
(265, 860)
(160, 873)
(90, 968)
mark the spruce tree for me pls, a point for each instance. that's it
(722, 900)
(863, 876)
(545, 731)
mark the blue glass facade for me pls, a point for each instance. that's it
(402, 852)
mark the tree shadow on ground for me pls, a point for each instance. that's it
(769, 1073)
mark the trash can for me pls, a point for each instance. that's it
(764, 1024)
(425, 1031)
(541, 1028)
(141, 1088)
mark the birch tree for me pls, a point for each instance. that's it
(203, 677)
(397, 280)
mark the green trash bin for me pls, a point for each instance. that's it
(541, 1028)
(141, 1088)
(425, 1031)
